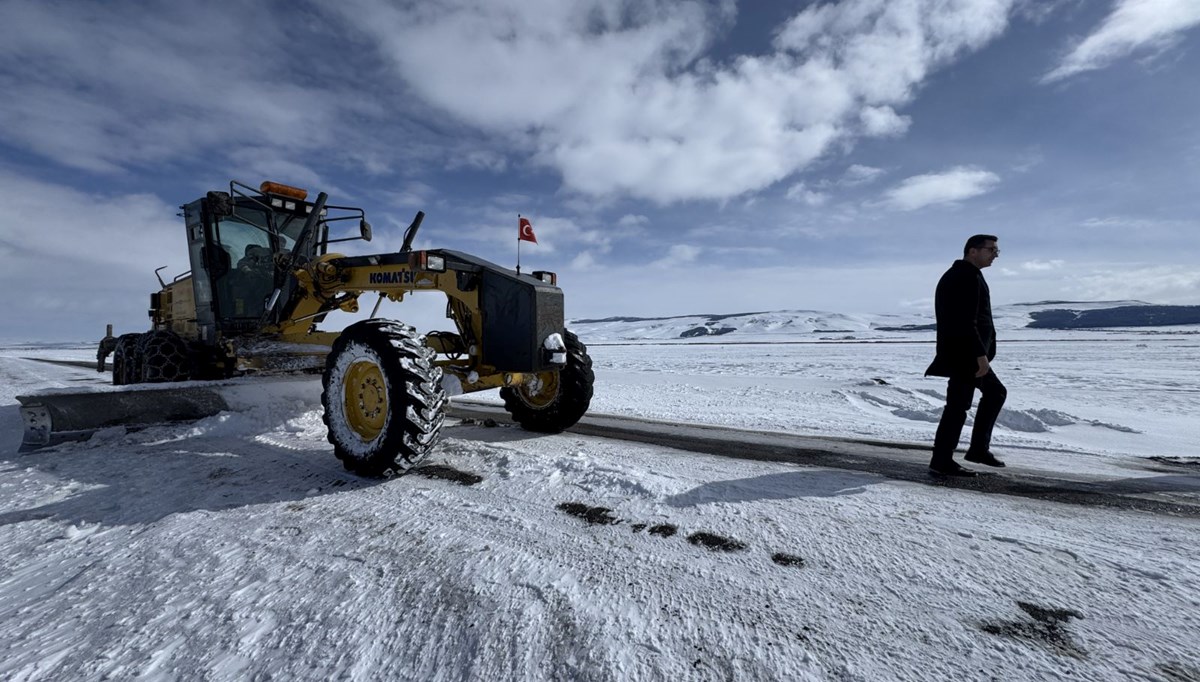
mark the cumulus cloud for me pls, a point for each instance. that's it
(800, 192)
(119, 87)
(68, 250)
(679, 254)
(1133, 25)
(1043, 265)
(631, 220)
(584, 260)
(116, 86)
(45, 220)
(956, 184)
(883, 122)
(618, 98)
(860, 175)
(1157, 283)
(413, 195)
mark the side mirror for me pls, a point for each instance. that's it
(364, 229)
(220, 205)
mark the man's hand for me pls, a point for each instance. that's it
(984, 366)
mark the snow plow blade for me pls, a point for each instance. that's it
(54, 418)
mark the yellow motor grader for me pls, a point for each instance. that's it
(262, 279)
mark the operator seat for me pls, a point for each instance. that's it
(252, 281)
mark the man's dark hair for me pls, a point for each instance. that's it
(977, 241)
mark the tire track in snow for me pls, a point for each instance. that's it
(1179, 496)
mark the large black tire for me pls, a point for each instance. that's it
(127, 361)
(165, 357)
(383, 398)
(556, 400)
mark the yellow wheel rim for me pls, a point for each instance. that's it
(365, 399)
(542, 392)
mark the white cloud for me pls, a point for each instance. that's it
(630, 220)
(860, 175)
(116, 85)
(1133, 25)
(1169, 284)
(481, 159)
(616, 95)
(956, 184)
(1042, 265)
(77, 260)
(413, 195)
(1028, 160)
(679, 254)
(1135, 225)
(583, 261)
(883, 122)
(800, 192)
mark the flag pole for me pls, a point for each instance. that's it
(518, 243)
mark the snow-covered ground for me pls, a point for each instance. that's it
(237, 548)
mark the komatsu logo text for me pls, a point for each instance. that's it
(394, 277)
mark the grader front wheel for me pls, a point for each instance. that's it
(383, 398)
(554, 401)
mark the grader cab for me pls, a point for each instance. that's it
(263, 278)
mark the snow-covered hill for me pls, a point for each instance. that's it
(781, 325)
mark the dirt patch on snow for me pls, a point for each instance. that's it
(1046, 626)
(787, 559)
(448, 473)
(717, 543)
(593, 515)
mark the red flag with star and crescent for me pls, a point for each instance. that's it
(525, 230)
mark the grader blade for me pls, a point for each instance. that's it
(53, 418)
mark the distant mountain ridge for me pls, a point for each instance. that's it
(1123, 316)
(1058, 315)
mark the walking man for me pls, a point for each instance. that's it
(966, 345)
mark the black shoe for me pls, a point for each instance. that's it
(950, 468)
(984, 458)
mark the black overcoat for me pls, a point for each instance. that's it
(965, 330)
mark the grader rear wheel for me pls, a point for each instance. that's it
(383, 398)
(127, 360)
(554, 401)
(164, 357)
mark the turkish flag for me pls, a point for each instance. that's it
(525, 231)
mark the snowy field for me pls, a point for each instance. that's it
(237, 548)
(1105, 396)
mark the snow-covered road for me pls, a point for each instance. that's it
(237, 548)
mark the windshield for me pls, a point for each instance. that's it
(289, 227)
(252, 254)
(238, 232)
(242, 290)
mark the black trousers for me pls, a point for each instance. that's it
(960, 391)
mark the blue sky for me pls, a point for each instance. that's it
(674, 157)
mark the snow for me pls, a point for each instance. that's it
(236, 547)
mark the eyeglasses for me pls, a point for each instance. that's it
(993, 249)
